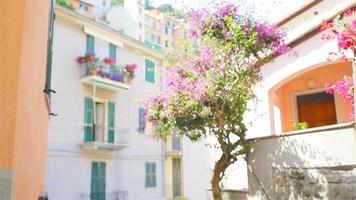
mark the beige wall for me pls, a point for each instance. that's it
(24, 114)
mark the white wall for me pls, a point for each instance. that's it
(69, 167)
(121, 19)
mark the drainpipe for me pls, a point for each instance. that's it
(354, 83)
(163, 147)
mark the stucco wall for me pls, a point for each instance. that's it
(318, 152)
(126, 169)
(24, 114)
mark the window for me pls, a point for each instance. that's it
(97, 191)
(90, 44)
(176, 143)
(149, 71)
(112, 54)
(177, 179)
(141, 120)
(99, 120)
(150, 180)
(317, 109)
(166, 43)
(104, 2)
(83, 7)
(166, 30)
(158, 40)
(140, 24)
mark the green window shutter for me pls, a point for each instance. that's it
(101, 180)
(112, 54)
(176, 177)
(94, 193)
(88, 119)
(98, 174)
(141, 118)
(149, 71)
(153, 176)
(111, 120)
(147, 177)
(90, 44)
(150, 175)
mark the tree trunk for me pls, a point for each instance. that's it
(219, 169)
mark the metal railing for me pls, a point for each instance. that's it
(115, 195)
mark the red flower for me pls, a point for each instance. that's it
(80, 60)
(109, 60)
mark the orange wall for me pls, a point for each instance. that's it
(325, 74)
(23, 114)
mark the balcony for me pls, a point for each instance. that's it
(152, 45)
(174, 146)
(97, 139)
(105, 73)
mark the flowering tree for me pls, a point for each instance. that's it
(343, 29)
(206, 89)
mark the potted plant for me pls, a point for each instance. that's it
(90, 61)
(130, 68)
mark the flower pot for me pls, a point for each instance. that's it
(129, 80)
(94, 72)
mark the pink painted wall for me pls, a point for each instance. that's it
(282, 97)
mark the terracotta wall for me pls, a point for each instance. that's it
(24, 113)
(321, 75)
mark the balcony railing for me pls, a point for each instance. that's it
(153, 45)
(115, 195)
(99, 139)
(105, 73)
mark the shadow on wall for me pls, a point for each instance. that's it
(315, 165)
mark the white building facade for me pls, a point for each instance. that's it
(97, 147)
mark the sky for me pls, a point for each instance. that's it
(266, 10)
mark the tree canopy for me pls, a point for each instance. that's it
(206, 89)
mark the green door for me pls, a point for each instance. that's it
(98, 181)
(177, 179)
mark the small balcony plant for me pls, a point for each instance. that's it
(130, 68)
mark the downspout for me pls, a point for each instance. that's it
(163, 147)
(354, 83)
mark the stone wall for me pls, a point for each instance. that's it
(317, 163)
(315, 183)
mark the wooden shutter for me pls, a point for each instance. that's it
(94, 193)
(111, 122)
(101, 180)
(141, 119)
(90, 44)
(98, 174)
(149, 71)
(150, 175)
(112, 54)
(176, 177)
(88, 119)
